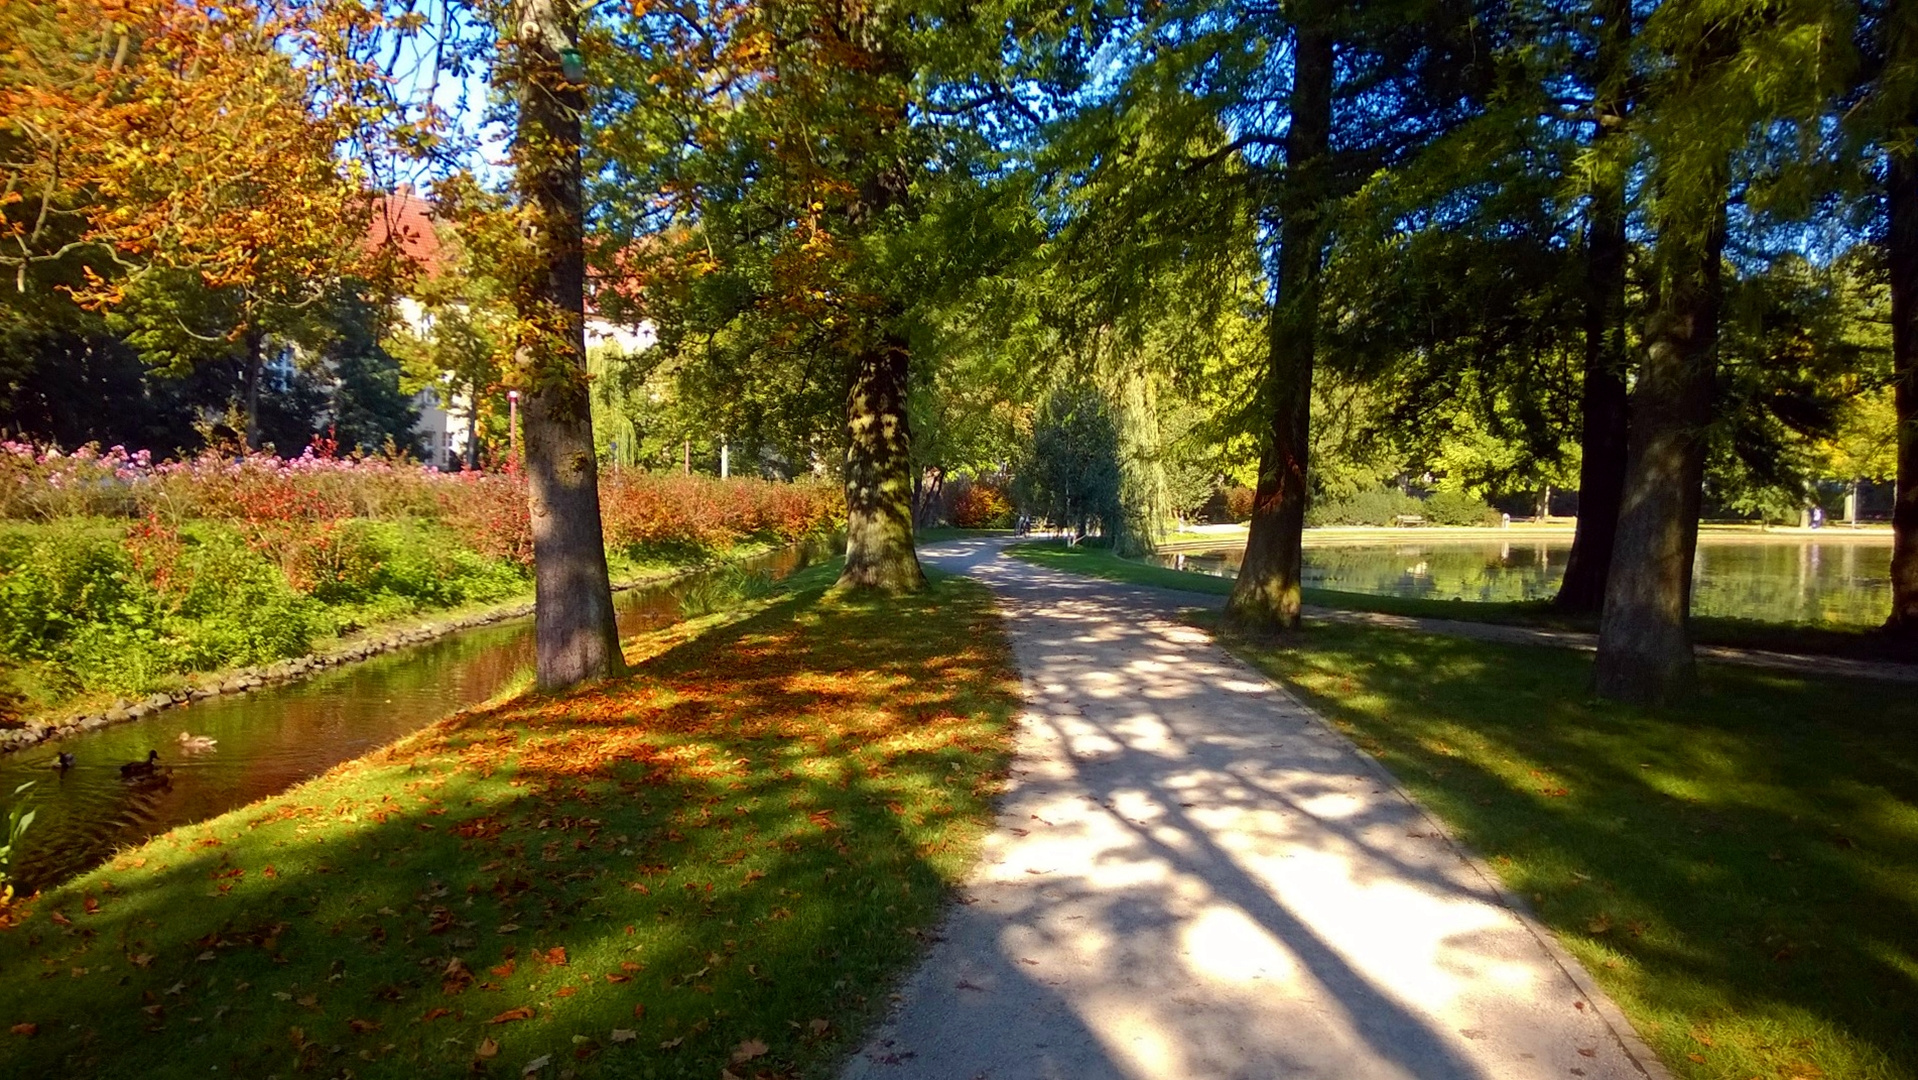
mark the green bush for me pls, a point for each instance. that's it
(1458, 508)
(75, 598)
(1378, 507)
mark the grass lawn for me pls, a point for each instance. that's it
(1738, 633)
(716, 863)
(1741, 874)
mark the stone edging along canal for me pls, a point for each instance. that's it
(280, 672)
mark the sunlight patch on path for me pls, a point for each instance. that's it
(1192, 877)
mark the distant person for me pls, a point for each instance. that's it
(1817, 517)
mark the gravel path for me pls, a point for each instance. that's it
(1194, 877)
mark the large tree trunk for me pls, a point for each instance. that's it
(576, 638)
(879, 551)
(1601, 468)
(1266, 594)
(1644, 638)
(1901, 257)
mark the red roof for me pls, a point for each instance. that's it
(406, 220)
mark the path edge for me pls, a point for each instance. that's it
(1634, 1045)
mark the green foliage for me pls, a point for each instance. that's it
(1379, 506)
(1458, 508)
(1072, 474)
(89, 605)
(19, 820)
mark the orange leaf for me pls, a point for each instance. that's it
(510, 1015)
(29, 1030)
(435, 1014)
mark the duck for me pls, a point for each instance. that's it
(192, 743)
(136, 769)
(64, 761)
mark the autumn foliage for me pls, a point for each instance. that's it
(197, 136)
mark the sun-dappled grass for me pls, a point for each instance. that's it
(719, 860)
(1856, 643)
(1741, 874)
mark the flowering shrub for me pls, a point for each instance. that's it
(233, 558)
(982, 506)
(290, 510)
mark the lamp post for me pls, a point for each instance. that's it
(512, 427)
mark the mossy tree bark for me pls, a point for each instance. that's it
(879, 547)
(576, 638)
(1266, 595)
(1601, 470)
(1644, 641)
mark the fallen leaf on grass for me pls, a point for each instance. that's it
(536, 1064)
(61, 919)
(142, 960)
(639, 1011)
(510, 1015)
(670, 1044)
(612, 978)
(361, 1027)
(621, 1035)
(748, 1050)
(487, 1048)
(28, 1030)
(818, 1027)
(555, 956)
(1699, 1058)
(568, 991)
(504, 969)
(435, 1014)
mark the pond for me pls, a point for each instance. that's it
(278, 736)
(1845, 581)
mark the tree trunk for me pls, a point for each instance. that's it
(575, 634)
(472, 427)
(1266, 594)
(879, 551)
(1901, 256)
(1601, 467)
(252, 373)
(1644, 639)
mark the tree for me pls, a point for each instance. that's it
(577, 638)
(168, 149)
(1072, 475)
(801, 171)
(1605, 404)
(1888, 118)
(1711, 94)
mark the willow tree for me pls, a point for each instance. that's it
(1724, 71)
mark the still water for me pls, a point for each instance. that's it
(275, 737)
(1785, 579)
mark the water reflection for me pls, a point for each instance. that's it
(274, 738)
(1786, 579)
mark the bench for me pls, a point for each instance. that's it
(1402, 520)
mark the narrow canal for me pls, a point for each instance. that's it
(268, 740)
